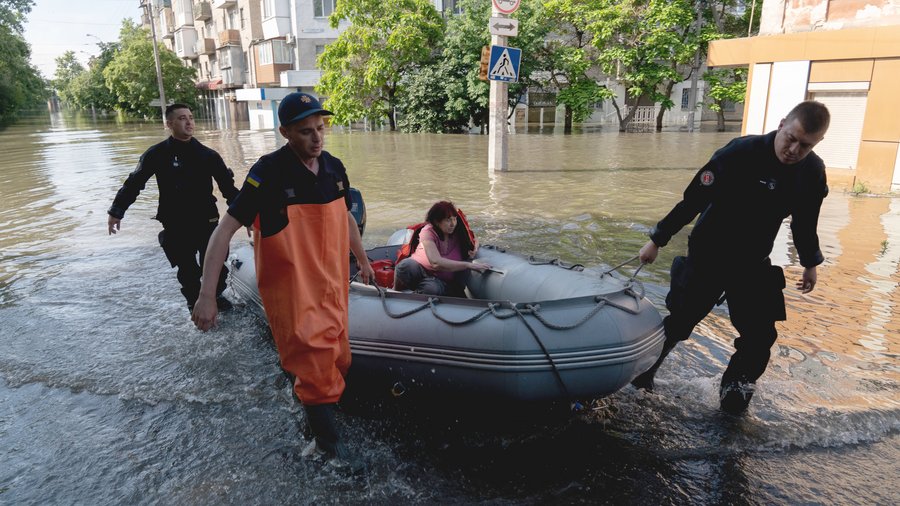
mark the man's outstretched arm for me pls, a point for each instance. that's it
(205, 310)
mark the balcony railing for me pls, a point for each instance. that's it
(229, 38)
(202, 11)
(205, 46)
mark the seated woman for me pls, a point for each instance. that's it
(439, 263)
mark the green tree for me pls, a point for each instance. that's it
(729, 18)
(455, 92)
(638, 41)
(131, 76)
(68, 68)
(569, 57)
(21, 85)
(363, 70)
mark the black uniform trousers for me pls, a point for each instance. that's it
(755, 303)
(185, 246)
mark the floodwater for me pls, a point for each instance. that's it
(108, 395)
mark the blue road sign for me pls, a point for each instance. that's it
(504, 64)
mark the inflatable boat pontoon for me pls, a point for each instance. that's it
(531, 331)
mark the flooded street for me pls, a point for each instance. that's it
(109, 395)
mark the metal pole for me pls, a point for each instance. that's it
(159, 80)
(498, 150)
(752, 12)
(692, 95)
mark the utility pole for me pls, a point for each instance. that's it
(159, 81)
(498, 108)
(692, 95)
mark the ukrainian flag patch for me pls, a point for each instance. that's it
(252, 180)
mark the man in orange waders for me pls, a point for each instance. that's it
(297, 200)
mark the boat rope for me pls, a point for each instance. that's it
(632, 281)
(540, 343)
(557, 262)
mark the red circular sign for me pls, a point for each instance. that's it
(506, 6)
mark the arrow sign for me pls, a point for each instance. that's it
(506, 27)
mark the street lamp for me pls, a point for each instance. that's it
(94, 36)
(145, 4)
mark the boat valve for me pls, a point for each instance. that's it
(398, 389)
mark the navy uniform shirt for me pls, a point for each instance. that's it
(743, 194)
(279, 179)
(184, 173)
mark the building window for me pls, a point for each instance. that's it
(242, 18)
(320, 48)
(232, 19)
(179, 44)
(685, 98)
(323, 8)
(268, 8)
(274, 51)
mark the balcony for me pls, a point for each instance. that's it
(202, 11)
(166, 23)
(186, 43)
(205, 46)
(223, 4)
(298, 78)
(229, 38)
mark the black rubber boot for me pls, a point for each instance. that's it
(645, 380)
(323, 427)
(734, 397)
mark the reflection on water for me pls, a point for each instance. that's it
(99, 354)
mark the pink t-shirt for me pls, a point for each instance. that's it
(448, 248)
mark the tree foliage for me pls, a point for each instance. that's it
(21, 85)
(728, 19)
(638, 41)
(363, 70)
(131, 74)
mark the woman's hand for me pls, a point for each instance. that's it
(479, 266)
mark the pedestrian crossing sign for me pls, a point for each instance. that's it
(504, 64)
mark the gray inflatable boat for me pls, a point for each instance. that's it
(530, 331)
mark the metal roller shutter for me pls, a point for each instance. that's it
(840, 147)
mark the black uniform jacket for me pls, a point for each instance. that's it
(184, 172)
(279, 179)
(743, 194)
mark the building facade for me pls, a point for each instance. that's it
(844, 53)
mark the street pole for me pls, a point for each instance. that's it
(498, 150)
(692, 95)
(159, 81)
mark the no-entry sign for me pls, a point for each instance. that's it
(506, 6)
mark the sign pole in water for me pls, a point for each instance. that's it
(498, 150)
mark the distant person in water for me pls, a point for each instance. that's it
(743, 194)
(184, 170)
(441, 253)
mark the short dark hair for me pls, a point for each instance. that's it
(170, 109)
(813, 116)
(439, 211)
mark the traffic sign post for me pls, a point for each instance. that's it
(498, 150)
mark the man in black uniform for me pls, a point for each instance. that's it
(184, 171)
(742, 195)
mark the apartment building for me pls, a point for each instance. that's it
(844, 53)
(249, 54)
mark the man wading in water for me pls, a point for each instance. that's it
(297, 201)
(742, 196)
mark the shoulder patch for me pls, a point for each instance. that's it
(707, 177)
(253, 180)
